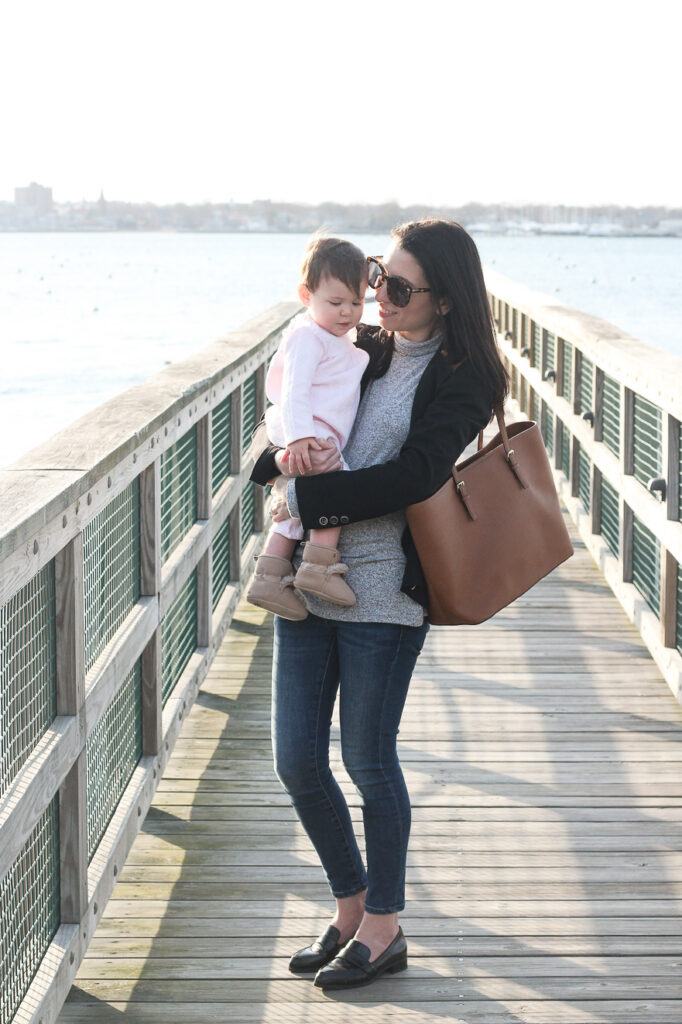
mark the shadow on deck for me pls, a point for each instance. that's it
(542, 752)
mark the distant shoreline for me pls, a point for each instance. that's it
(591, 232)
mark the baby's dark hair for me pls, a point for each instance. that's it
(334, 257)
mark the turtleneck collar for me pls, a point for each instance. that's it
(416, 348)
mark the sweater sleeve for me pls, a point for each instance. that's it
(301, 352)
(459, 410)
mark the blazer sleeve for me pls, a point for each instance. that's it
(460, 408)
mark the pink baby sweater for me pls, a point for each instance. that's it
(314, 383)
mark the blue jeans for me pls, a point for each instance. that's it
(370, 664)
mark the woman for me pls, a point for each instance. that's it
(432, 381)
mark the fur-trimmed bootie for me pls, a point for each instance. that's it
(272, 588)
(320, 573)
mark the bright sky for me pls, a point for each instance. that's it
(427, 101)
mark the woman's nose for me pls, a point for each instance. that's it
(381, 293)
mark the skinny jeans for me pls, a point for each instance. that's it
(370, 664)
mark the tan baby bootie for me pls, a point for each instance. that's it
(320, 573)
(272, 588)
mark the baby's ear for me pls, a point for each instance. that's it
(304, 294)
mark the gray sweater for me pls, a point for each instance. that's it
(372, 549)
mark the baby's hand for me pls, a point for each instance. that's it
(299, 455)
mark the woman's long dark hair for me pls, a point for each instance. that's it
(449, 258)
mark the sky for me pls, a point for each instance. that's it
(440, 102)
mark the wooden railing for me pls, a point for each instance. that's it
(610, 409)
(125, 542)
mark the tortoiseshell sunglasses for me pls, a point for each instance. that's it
(398, 289)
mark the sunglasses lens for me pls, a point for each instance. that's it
(375, 275)
(398, 291)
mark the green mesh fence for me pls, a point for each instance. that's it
(178, 635)
(548, 352)
(646, 564)
(611, 415)
(113, 750)
(565, 450)
(248, 512)
(111, 569)
(28, 695)
(221, 439)
(584, 474)
(648, 440)
(548, 428)
(178, 491)
(221, 561)
(609, 523)
(29, 911)
(248, 412)
(536, 408)
(567, 372)
(586, 386)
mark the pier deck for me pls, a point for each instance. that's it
(542, 752)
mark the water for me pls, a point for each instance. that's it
(84, 316)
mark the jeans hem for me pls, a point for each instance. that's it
(385, 910)
(349, 892)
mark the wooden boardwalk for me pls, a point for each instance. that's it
(542, 752)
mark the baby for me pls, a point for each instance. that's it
(314, 383)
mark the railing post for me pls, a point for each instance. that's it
(235, 466)
(204, 504)
(575, 466)
(595, 499)
(150, 586)
(70, 645)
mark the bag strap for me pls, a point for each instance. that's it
(510, 458)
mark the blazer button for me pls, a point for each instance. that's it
(323, 520)
(345, 519)
(334, 520)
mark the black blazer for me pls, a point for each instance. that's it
(451, 404)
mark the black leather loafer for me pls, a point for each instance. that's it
(352, 968)
(318, 954)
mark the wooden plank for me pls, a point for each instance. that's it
(298, 907)
(70, 644)
(417, 984)
(73, 843)
(479, 933)
(200, 946)
(447, 967)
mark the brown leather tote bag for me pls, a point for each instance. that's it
(493, 529)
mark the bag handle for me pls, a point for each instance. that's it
(510, 458)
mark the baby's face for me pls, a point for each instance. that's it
(333, 306)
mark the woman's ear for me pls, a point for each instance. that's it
(444, 306)
(304, 294)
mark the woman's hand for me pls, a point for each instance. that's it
(325, 459)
